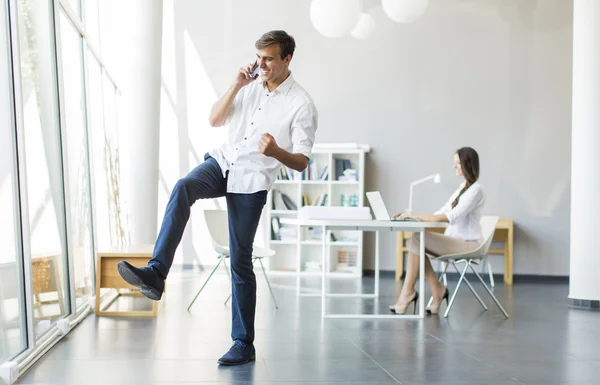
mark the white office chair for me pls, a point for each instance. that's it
(218, 226)
(488, 225)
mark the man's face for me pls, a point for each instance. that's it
(272, 66)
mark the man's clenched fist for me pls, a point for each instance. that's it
(267, 145)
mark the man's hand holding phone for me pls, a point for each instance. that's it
(247, 75)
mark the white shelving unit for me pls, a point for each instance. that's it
(303, 251)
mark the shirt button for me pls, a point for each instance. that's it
(259, 108)
(232, 163)
(252, 123)
(237, 148)
(245, 138)
(267, 94)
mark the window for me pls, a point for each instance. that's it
(77, 160)
(44, 195)
(13, 336)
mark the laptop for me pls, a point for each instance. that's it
(380, 211)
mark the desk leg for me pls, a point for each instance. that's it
(508, 257)
(326, 235)
(98, 283)
(399, 255)
(376, 264)
(298, 268)
(422, 274)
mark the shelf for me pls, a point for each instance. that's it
(318, 182)
(339, 243)
(343, 243)
(302, 245)
(312, 242)
(281, 212)
(276, 242)
(332, 274)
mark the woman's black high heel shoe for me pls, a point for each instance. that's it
(401, 309)
(436, 309)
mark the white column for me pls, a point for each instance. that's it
(584, 284)
(140, 64)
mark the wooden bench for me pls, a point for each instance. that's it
(107, 276)
(504, 233)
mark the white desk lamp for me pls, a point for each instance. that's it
(436, 179)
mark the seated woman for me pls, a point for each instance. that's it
(463, 213)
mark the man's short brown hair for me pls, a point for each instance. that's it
(287, 44)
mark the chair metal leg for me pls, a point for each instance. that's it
(471, 287)
(490, 292)
(491, 274)
(221, 258)
(443, 274)
(485, 263)
(268, 283)
(462, 276)
(226, 269)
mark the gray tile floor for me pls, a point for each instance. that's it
(544, 342)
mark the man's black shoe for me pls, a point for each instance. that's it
(147, 279)
(239, 353)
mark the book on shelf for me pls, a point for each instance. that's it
(288, 234)
(325, 174)
(312, 172)
(275, 229)
(340, 166)
(282, 201)
(282, 233)
(346, 260)
(319, 200)
(286, 173)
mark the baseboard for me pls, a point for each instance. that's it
(517, 278)
(584, 304)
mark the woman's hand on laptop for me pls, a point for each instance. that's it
(405, 215)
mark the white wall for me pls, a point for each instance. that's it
(493, 74)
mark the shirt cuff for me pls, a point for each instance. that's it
(304, 150)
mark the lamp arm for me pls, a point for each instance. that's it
(412, 185)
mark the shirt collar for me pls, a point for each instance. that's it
(284, 87)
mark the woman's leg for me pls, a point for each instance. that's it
(437, 244)
(410, 279)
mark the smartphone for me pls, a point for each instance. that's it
(255, 70)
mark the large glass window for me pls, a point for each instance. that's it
(12, 318)
(76, 158)
(44, 195)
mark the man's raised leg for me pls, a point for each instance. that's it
(204, 181)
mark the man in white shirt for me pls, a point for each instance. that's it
(272, 121)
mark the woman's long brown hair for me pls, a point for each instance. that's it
(469, 163)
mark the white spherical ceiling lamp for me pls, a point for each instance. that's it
(364, 28)
(335, 18)
(404, 11)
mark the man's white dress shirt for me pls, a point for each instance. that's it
(288, 113)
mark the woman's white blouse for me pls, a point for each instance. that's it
(464, 219)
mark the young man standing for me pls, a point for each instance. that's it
(272, 121)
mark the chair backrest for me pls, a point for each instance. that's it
(217, 223)
(488, 226)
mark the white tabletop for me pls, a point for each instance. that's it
(367, 225)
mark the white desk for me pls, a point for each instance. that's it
(367, 225)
